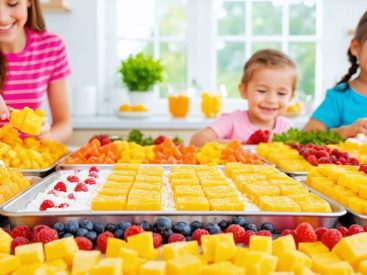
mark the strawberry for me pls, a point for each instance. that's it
(133, 230)
(84, 243)
(259, 136)
(266, 233)
(343, 230)
(46, 204)
(246, 237)
(18, 241)
(331, 238)
(60, 186)
(105, 140)
(196, 235)
(81, 187)
(94, 169)
(305, 233)
(157, 240)
(355, 229)
(72, 178)
(312, 159)
(102, 240)
(363, 168)
(21, 231)
(176, 237)
(93, 175)
(159, 140)
(90, 181)
(319, 232)
(237, 231)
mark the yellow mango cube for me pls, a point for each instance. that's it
(83, 261)
(321, 261)
(177, 249)
(184, 265)
(240, 257)
(352, 249)
(261, 244)
(8, 263)
(143, 244)
(212, 246)
(5, 242)
(110, 266)
(293, 260)
(284, 244)
(258, 263)
(153, 268)
(113, 247)
(59, 263)
(362, 267)
(131, 260)
(310, 248)
(61, 249)
(339, 268)
(223, 268)
(30, 253)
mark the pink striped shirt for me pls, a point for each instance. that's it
(29, 72)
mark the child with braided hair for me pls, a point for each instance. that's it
(344, 109)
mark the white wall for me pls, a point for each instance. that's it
(82, 32)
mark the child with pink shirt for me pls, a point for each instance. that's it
(268, 83)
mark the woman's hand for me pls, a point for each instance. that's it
(45, 129)
(358, 127)
(4, 111)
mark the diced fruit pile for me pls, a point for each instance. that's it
(318, 137)
(27, 120)
(12, 182)
(354, 149)
(344, 184)
(28, 153)
(299, 251)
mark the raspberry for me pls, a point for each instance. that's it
(102, 240)
(319, 232)
(285, 232)
(312, 160)
(363, 168)
(63, 205)
(93, 175)
(305, 233)
(81, 187)
(365, 228)
(196, 235)
(38, 228)
(45, 235)
(46, 204)
(21, 231)
(343, 230)
(18, 241)
(246, 237)
(72, 178)
(93, 169)
(176, 237)
(157, 240)
(90, 181)
(71, 196)
(237, 231)
(264, 233)
(133, 230)
(355, 229)
(60, 186)
(84, 243)
(331, 238)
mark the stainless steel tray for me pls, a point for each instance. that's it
(293, 173)
(281, 220)
(44, 171)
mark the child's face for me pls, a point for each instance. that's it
(13, 16)
(268, 93)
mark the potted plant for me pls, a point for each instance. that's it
(140, 73)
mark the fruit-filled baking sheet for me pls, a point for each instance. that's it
(44, 171)
(14, 210)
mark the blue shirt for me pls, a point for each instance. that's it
(341, 107)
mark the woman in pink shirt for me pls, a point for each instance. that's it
(268, 83)
(33, 65)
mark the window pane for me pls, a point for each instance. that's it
(173, 56)
(173, 18)
(231, 58)
(304, 54)
(266, 45)
(266, 19)
(133, 21)
(127, 47)
(302, 19)
(231, 18)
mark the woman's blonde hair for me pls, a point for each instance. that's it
(36, 22)
(268, 58)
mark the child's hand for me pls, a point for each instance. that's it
(45, 130)
(4, 111)
(358, 127)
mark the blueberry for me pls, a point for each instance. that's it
(166, 234)
(251, 226)
(72, 226)
(59, 227)
(67, 234)
(111, 227)
(123, 225)
(87, 224)
(182, 228)
(146, 226)
(60, 234)
(223, 224)
(268, 226)
(163, 223)
(195, 225)
(119, 234)
(188, 238)
(213, 228)
(92, 236)
(81, 232)
(239, 220)
(98, 227)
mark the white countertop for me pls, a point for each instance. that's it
(154, 122)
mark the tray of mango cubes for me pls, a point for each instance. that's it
(260, 191)
(346, 185)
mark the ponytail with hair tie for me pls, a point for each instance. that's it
(351, 71)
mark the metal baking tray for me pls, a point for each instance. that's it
(281, 220)
(44, 171)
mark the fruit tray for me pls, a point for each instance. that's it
(45, 171)
(281, 220)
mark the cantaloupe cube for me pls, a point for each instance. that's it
(153, 268)
(177, 249)
(62, 248)
(321, 261)
(352, 249)
(111, 266)
(293, 260)
(223, 268)
(5, 242)
(113, 247)
(83, 261)
(8, 263)
(283, 244)
(339, 268)
(143, 244)
(261, 244)
(184, 265)
(30, 253)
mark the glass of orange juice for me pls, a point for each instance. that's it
(178, 101)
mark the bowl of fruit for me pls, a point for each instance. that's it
(133, 111)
